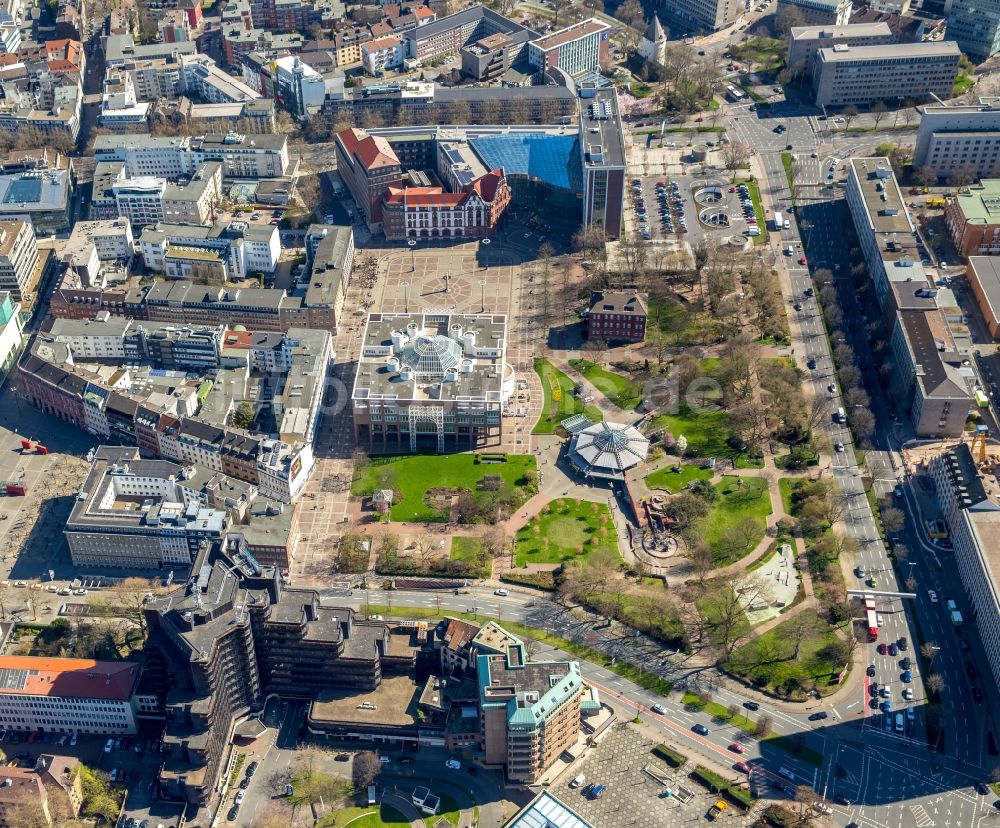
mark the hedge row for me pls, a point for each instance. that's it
(538, 580)
(735, 793)
(670, 756)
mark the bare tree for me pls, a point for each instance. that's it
(893, 519)
(764, 726)
(849, 113)
(879, 109)
(929, 651)
(365, 769)
(735, 156)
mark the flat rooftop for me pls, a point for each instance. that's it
(601, 125)
(986, 271)
(394, 701)
(833, 32)
(927, 335)
(924, 50)
(454, 358)
(883, 200)
(570, 33)
(980, 203)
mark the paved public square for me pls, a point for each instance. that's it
(632, 796)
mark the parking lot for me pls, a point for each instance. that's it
(691, 208)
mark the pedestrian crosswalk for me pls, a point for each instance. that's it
(921, 819)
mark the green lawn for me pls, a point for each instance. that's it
(566, 529)
(560, 401)
(769, 661)
(786, 485)
(686, 325)
(963, 83)
(622, 391)
(411, 477)
(465, 548)
(706, 432)
(739, 498)
(448, 809)
(384, 816)
(674, 481)
(788, 163)
(719, 712)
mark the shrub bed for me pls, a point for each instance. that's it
(538, 580)
(670, 756)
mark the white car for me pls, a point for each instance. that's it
(239, 797)
(454, 764)
(932, 595)
(385, 760)
(501, 592)
(578, 781)
(74, 739)
(881, 620)
(108, 745)
(659, 708)
(822, 807)
(839, 446)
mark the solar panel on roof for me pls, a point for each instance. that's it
(13, 679)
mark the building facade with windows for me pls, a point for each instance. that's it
(369, 167)
(962, 139)
(860, 75)
(578, 49)
(975, 26)
(617, 316)
(972, 217)
(18, 256)
(69, 695)
(817, 12)
(474, 211)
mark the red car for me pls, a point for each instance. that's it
(802, 260)
(742, 766)
(736, 747)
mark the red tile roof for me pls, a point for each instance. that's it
(383, 43)
(486, 187)
(380, 29)
(60, 677)
(423, 11)
(371, 150)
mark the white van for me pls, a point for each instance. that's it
(578, 781)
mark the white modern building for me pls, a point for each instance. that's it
(70, 695)
(11, 333)
(861, 75)
(578, 49)
(242, 156)
(242, 247)
(379, 55)
(954, 137)
(102, 337)
(18, 256)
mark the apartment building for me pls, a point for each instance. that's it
(805, 41)
(242, 156)
(817, 12)
(968, 494)
(100, 338)
(369, 167)
(928, 380)
(963, 138)
(602, 158)
(578, 49)
(18, 256)
(242, 248)
(69, 695)
(972, 217)
(448, 35)
(860, 75)
(51, 108)
(379, 55)
(975, 26)
(120, 49)
(431, 381)
(111, 239)
(529, 711)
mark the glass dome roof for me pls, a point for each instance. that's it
(432, 355)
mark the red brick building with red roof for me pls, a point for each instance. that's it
(432, 213)
(369, 167)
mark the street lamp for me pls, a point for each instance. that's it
(411, 243)
(486, 244)
(447, 277)
(482, 287)
(406, 296)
